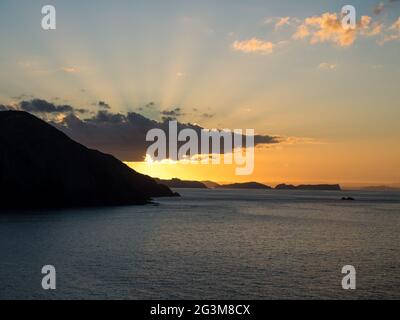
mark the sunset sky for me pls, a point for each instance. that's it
(283, 68)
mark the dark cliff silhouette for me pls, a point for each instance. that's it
(40, 167)
(246, 185)
(323, 187)
(177, 183)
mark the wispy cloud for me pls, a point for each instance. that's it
(382, 6)
(378, 9)
(254, 45)
(396, 25)
(104, 105)
(172, 114)
(40, 106)
(393, 33)
(302, 140)
(71, 70)
(284, 21)
(327, 66)
(42, 67)
(280, 22)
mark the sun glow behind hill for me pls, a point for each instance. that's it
(297, 164)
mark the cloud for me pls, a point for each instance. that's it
(328, 28)
(150, 105)
(324, 28)
(42, 106)
(254, 45)
(103, 116)
(39, 106)
(393, 33)
(327, 66)
(302, 140)
(104, 105)
(395, 25)
(207, 115)
(122, 135)
(43, 67)
(379, 8)
(71, 70)
(283, 21)
(301, 32)
(172, 114)
(23, 96)
(280, 22)
(373, 29)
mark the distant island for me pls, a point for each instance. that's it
(323, 187)
(380, 188)
(43, 168)
(177, 183)
(246, 185)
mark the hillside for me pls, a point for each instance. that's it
(41, 167)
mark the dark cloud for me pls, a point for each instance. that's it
(167, 119)
(45, 107)
(42, 106)
(81, 110)
(174, 113)
(207, 115)
(265, 139)
(122, 135)
(104, 116)
(150, 105)
(381, 6)
(104, 105)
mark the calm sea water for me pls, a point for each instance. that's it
(209, 244)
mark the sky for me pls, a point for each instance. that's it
(284, 68)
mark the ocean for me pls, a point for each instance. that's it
(208, 244)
